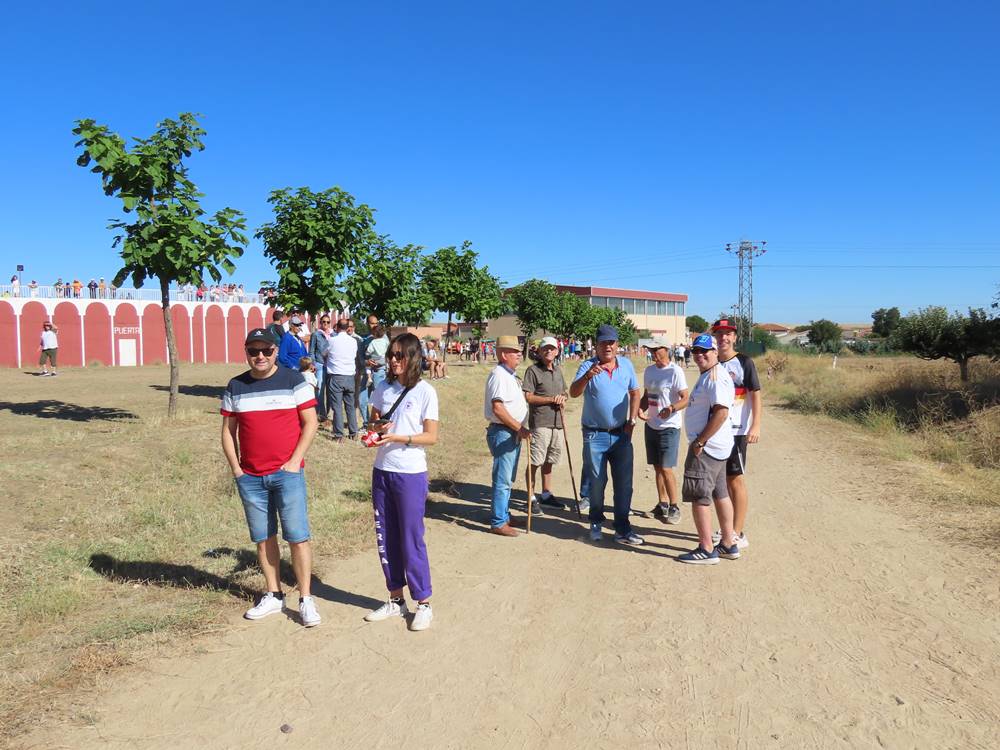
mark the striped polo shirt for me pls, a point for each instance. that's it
(267, 417)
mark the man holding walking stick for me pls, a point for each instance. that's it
(505, 409)
(545, 392)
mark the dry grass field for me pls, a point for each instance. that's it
(916, 409)
(123, 529)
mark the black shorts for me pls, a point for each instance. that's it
(737, 463)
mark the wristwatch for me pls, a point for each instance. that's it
(632, 421)
(699, 443)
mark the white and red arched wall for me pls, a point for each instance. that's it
(126, 332)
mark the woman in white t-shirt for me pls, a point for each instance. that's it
(399, 480)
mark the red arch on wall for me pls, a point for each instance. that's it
(215, 334)
(255, 319)
(237, 328)
(126, 326)
(182, 332)
(154, 336)
(197, 333)
(8, 336)
(97, 334)
(32, 316)
(67, 320)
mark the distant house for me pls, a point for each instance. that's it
(775, 329)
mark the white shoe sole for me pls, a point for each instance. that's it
(709, 561)
(248, 616)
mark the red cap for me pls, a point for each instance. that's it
(722, 325)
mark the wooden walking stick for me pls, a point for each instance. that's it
(569, 458)
(527, 480)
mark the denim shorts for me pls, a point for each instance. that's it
(272, 496)
(661, 446)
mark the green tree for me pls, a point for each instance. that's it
(826, 335)
(534, 303)
(627, 332)
(388, 284)
(574, 316)
(696, 324)
(315, 241)
(760, 336)
(884, 321)
(483, 300)
(171, 238)
(446, 274)
(931, 333)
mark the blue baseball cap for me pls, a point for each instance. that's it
(704, 341)
(607, 333)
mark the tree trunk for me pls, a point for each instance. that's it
(447, 339)
(963, 369)
(175, 370)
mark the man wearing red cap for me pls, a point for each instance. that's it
(745, 416)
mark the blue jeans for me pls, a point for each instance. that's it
(321, 392)
(363, 398)
(266, 498)
(599, 450)
(506, 449)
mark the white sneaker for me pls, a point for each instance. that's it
(268, 604)
(741, 539)
(391, 608)
(307, 612)
(422, 617)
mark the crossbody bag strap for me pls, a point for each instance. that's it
(402, 395)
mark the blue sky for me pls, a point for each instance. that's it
(588, 143)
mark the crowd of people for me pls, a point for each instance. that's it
(99, 288)
(272, 412)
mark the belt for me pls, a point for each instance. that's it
(612, 431)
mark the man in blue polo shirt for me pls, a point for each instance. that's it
(611, 395)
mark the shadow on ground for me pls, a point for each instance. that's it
(50, 409)
(467, 504)
(209, 391)
(190, 577)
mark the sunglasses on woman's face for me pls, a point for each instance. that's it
(397, 355)
(325, 320)
(260, 352)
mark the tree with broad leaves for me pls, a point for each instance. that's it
(826, 335)
(446, 274)
(534, 302)
(628, 334)
(884, 321)
(315, 241)
(388, 285)
(171, 238)
(483, 301)
(574, 316)
(696, 324)
(931, 333)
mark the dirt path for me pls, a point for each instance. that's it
(842, 626)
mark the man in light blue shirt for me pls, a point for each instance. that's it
(611, 395)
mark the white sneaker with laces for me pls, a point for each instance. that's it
(307, 612)
(741, 541)
(392, 608)
(422, 617)
(268, 604)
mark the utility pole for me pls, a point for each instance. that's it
(745, 250)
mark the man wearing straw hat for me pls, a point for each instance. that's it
(545, 392)
(505, 409)
(611, 393)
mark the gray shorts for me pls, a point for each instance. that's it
(546, 446)
(704, 479)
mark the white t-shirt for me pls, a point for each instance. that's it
(706, 394)
(49, 340)
(341, 358)
(663, 386)
(420, 403)
(503, 385)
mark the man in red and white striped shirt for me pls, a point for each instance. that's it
(268, 422)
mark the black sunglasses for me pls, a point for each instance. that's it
(258, 352)
(397, 355)
(324, 320)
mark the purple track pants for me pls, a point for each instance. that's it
(399, 501)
